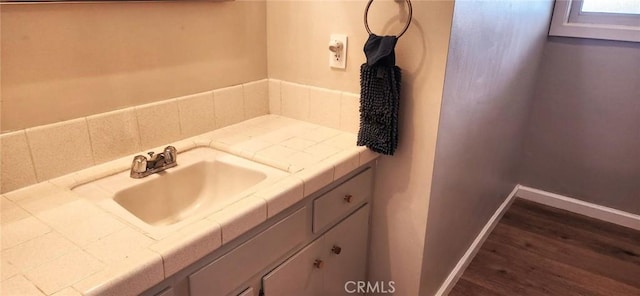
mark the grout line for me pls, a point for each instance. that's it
(33, 162)
(244, 102)
(215, 116)
(182, 135)
(243, 105)
(135, 113)
(279, 98)
(93, 157)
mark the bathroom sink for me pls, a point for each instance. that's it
(205, 181)
(178, 194)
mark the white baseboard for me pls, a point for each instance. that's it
(547, 198)
(580, 207)
(466, 259)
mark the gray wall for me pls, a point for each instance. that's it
(494, 52)
(584, 133)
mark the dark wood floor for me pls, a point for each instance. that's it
(540, 250)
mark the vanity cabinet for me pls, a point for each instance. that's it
(327, 264)
(230, 271)
(313, 248)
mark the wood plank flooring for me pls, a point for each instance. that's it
(540, 250)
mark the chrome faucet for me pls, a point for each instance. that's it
(142, 167)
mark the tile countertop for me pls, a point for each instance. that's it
(56, 242)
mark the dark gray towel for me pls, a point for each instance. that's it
(379, 96)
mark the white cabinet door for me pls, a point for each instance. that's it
(230, 271)
(342, 252)
(300, 275)
(346, 253)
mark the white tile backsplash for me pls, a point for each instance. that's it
(60, 148)
(114, 134)
(256, 98)
(324, 107)
(295, 100)
(17, 166)
(330, 108)
(159, 123)
(229, 105)
(350, 112)
(47, 152)
(275, 99)
(197, 114)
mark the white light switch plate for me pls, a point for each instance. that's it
(338, 60)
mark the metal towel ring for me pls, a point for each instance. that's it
(406, 27)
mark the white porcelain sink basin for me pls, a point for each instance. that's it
(187, 191)
(205, 181)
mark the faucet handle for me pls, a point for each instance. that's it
(170, 154)
(139, 164)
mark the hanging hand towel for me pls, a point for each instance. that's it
(379, 95)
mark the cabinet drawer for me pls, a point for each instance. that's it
(228, 272)
(340, 201)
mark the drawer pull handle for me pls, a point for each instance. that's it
(336, 250)
(348, 198)
(318, 264)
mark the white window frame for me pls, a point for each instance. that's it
(568, 21)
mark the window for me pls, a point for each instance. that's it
(611, 6)
(599, 19)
